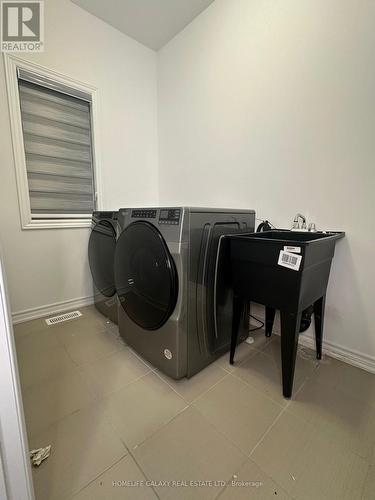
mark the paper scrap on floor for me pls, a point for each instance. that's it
(37, 456)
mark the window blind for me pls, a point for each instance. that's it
(58, 152)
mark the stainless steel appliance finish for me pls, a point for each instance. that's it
(167, 270)
(101, 251)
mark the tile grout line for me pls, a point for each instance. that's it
(101, 328)
(164, 424)
(207, 422)
(71, 496)
(283, 410)
(257, 389)
(332, 440)
(266, 474)
(97, 399)
(130, 450)
(249, 356)
(266, 432)
(77, 366)
(156, 371)
(101, 397)
(210, 388)
(62, 344)
(143, 472)
(153, 433)
(290, 496)
(226, 438)
(137, 355)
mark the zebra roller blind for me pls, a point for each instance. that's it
(58, 151)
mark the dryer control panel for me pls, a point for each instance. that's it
(169, 216)
(144, 213)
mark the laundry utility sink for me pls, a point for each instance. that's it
(285, 270)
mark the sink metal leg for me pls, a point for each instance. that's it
(246, 315)
(290, 323)
(270, 317)
(238, 303)
(319, 307)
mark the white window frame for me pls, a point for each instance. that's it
(12, 65)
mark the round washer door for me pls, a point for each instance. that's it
(102, 245)
(145, 275)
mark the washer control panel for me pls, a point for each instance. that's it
(169, 216)
(144, 213)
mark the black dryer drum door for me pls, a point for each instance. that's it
(145, 274)
(102, 245)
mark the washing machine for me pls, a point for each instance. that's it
(175, 301)
(101, 251)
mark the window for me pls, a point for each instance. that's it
(58, 153)
(54, 146)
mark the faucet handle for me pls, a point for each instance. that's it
(312, 227)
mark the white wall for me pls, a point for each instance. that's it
(271, 105)
(49, 266)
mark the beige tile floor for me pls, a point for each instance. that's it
(121, 430)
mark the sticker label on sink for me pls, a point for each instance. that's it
(289, 260)
(292, 249)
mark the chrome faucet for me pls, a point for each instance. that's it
(296, 224)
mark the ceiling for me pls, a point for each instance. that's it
(151, 22)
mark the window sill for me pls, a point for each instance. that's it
(57, 224)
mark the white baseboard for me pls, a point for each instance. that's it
(349, 356)
(57, 307)
(331, 349)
